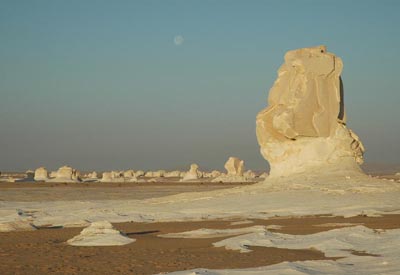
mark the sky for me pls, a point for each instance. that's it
(101, 85)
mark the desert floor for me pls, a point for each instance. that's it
(44, 251)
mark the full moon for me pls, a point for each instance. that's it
(178, 40)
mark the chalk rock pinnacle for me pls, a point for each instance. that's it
(234, 166)
(193, 173)
(304, 125)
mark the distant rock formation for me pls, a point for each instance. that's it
(249, 174)
(129, 174)
(41, 174)
(192, 174)
(139, 173)
(100, 233)
(304, 126)
(92, 175)
(173, 174)
(112, 176)
(66, 174)
(234, 167)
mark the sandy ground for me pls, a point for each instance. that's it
(44, 251)
(100, 191)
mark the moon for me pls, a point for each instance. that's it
(178, 40)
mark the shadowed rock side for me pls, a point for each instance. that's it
(304, 125)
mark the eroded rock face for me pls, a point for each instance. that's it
(304, 125)
(41, 174)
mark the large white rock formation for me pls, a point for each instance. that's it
(41, 174)
(303, 129)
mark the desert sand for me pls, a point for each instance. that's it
(45, 251)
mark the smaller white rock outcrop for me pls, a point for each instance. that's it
(41, 174)
(66, 174)
(249, 174)
(192, 174)
(234, 167)
(112, 176)
(100, 233)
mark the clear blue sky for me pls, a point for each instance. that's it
(101, 84)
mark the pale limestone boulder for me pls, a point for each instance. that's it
(192, 174)
(264, 175)
(41, 174)
(303, 129)
(100, 233)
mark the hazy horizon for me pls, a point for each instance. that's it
(103, 85)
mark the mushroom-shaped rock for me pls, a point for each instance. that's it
(100, 233)
(303, 129)
(41, 174)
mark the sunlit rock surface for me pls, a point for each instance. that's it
(304, 125)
